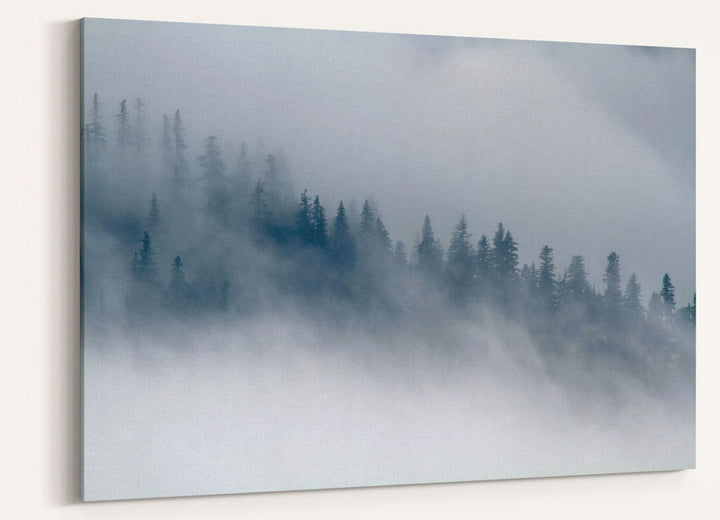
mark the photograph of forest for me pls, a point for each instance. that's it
(320, 259)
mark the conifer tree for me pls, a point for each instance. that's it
(177, 290)
(124, 135)
(576, 284)
(143, 267)
(631, 300)
(667, 294)
(153, 217)
(139, 136)
(217, 198)
(180, 164)
(303, 225)
(428, 250)
(343, 245)
(383, 237)
(547, 286)
(318, 224)
(94, 131)
(260, 207)
(612, 295)
(460, 259)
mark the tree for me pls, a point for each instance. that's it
(383, 237)
(343, 246)
(612, 295)
(139, 128)
(143, 266)
(318, 224)
(631, 301)
(667, 294)
(180, 164)
(303, 225)
(367, 221)
(460, 259)
(94, 131)
(428, 250)
(547, 286)
(124, 135)
(260, 207)
(177, 290)
(166, 143)
(576, 284)
(153, 217)
(217, 198)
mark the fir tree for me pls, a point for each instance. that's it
(217, 198)
(303, 224)
(318, 224)
(546, 284)
(460, 259)
(343, 245)
(383, 237)
(177, 290)
(124, 135)
(576, 284)
(612, 295)
(180, 164)
(631, 300)
(143, 267)
(428, 250)
(260, 207)
(94, 131)
(667, 294)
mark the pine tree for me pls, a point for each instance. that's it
(180, 164)
(318, 224)
(166, 143)
(177, 290)
(124, 136)
(460, 259)
(143, 267)
(667, 294)
(631, 301)
(576, 284)
(94, 131)
(303, 224)
(139, 136)
(343, 245)
(383, 237)
(428, 250)
(547, 286)
(612, 295)
(260, 207)
(367, 222)
(153, 217)
(217, 198)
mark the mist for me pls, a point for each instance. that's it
(323, 259)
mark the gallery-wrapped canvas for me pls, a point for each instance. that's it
(320, 259)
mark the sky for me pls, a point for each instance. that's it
(587, 148)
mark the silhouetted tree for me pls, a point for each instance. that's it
(667, 294)
(217, 198)
(318, 224)
(631, 301)
(576, 284)
(546, 284)
(178, 289)
(94, 131)
(180, 164)
(383, 237)
(143, 266)
(153, 216)
(343, 245)
(612, 295)
(124, 134)
(303, 225)
(460, 260)
(428, 250)
(260, 212)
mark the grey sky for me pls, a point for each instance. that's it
(587, 148)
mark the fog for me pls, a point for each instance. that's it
(548, 138)
(251, 324)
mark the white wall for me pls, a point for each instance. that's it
(39, 361)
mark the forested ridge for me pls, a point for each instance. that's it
(214, 236)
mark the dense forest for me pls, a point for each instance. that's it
(209, 237)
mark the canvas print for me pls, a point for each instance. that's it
(321, 259)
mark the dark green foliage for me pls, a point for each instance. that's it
(428, 250)
(124, 133)
(460, 262)
(631, 301)
(546, 284)
(344, 251)
(576, 284)
(303, 225)
(383, 237)
(180, 164)
(667, 294)
(318, 224)
(612, 294)
(94, 131)
(143, 266)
